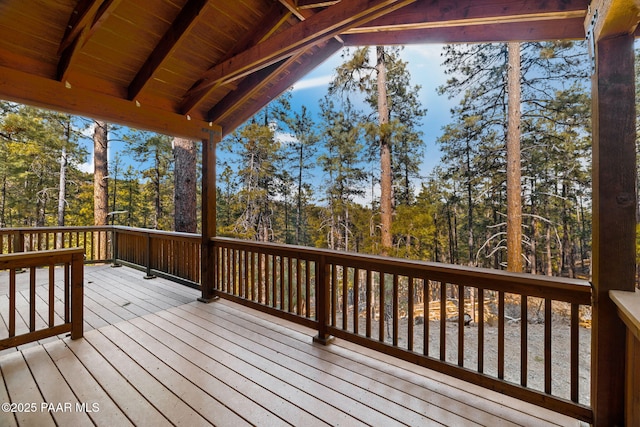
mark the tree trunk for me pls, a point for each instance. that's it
(386, 195)
(100, 172)
(100, 183)
(514, 190)
(62, 193)
(184, 152)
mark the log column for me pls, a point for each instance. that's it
(207, 260)
(614, 221)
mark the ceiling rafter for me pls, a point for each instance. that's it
(273, 21)
(314, 4)
(183, 23)
(320, 27)
(86, 18)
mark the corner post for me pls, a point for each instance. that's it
(614, 219)
(207, 261)
(323, 297)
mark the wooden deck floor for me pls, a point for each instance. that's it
(154, 356)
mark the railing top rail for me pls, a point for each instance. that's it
(56, 229)
(571, 290)
(34, 259)
(628, 304)
(172, 234)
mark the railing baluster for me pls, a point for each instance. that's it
(426, 299)
(501, 335)
(410, 310)
(369, 303)
(461, 293)
(443, 321)
(356, 300)
(383, 307)
(334, 293)
(345, 297)
(261, 293)
(32, 299)
(480, 321)
(547, 346)
(298, 283)
(524, 340)
(395, 310)
(282, 283)
(575, 351)
(12, 302)
(52, 294)
(290, 283)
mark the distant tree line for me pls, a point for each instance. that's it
(350, 178)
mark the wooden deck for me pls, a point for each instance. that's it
(152, 355)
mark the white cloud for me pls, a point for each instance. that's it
(313, 82)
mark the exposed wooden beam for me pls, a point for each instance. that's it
(517, 31)
(320, 27)
(306, 64)
(451, 13)
(86, 19)
(42, 92)
(610, 18)
(314, 4)
(296, 66)
(271, 23)
(182, 25)
(81, 18)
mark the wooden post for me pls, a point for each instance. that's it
(614, 204)
(322, 301)
(148, 258)
(207, 264)
(77, 295)
(114, 247)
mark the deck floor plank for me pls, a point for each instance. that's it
(86, 389)
(59, 399)
(22, 390)
(403, 373)
(308, 396)
(240, 396)
(157, 357)
(372, 396)
(160, 396)
(124, 395)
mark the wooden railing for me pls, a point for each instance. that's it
(628, 304)
(175, 256)
(26, 323)
(159, 253)
(96, 241)
(483, 326)
(465, 322)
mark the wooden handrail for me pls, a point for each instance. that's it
(628, 304)
(72, 294)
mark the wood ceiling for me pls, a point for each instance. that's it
(187, 67)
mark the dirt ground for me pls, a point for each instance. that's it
(560, 342)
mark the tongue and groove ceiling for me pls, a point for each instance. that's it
(188, 67)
